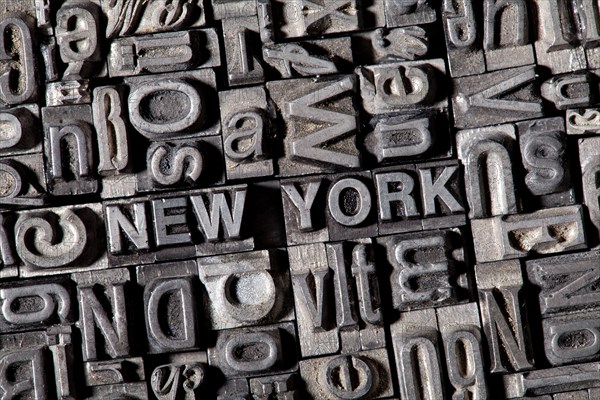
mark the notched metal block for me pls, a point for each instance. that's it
(429, 269)
(245, 289)
(583, 121)
(503, 316)
(464, 40)
(284, 386)
(164, 52)
(572, 338)
(170, 293)
(36, 304)
(136, 17)
(548, 231)
(459, 326)
(242, 51)
(403, 87)
(23, 181)
(576, 90)
(247, 133)
(497, 97)
(112, 372)
(385, 45)
(64, 93)
(409, 12)
(487, 157)
(319, 124)
(309, 58)
(250, 352)
(20, 130)
(60, 240)
(181, 374)
(361, 375)
(552, 380)
(69, 130)
(104, 313)
(174, 106)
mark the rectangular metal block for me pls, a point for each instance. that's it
(174, 328)
(483, 100)
(24, 181)
(503, 313)
(428, 268)
(112, 372)
(267, 350)
(411, 12)
(21, 133)
(247, 133)
(571, 338)
(309, 58)
(164, 52)
(222, 9)
(322, 376)
(242, 51)
(400, 44)
(245, 289)
(589, 159)
(583, 121)
(383, 87)
(548, 231)
(69, 127)
(319, 124)
(81, 246)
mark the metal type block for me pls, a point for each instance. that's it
(247, 133)
(30, 361)
(182, 376)
(441, 185)
(588, 394)
(112, 372)
(589, 159)
(583, 121)
(23, 180)
(164, 52)
(135, 17)
(503, 316)
(19, 81)
(555, 47)
(264, 13)
(78, 37)
(497, 97)
(506, 35)
(49, 61)
(409, 12)
(575, 90)
(69, 92)
(20, 130)
(170, 292)
(181, 164)
(361, 375)
(234, 389)
(242, 51)
(103, 314)
(403, 87)
(566, 283)
(397, 138)
(350, 212)
(28, 7)
(486, 154)
(258, 351)
(309, 58)
(572, 338)
(315, 306)
(319, 124)
(60, 240)
(36, 304)
(543, 152)
(129, 391)
(299, 18)
(398, 199)
(461, 334)
(174, 106)
(304, 202)
(285, 387)
(428, 269)
(552, 380)
(415, 338)
(69, 149)
(385, 45)
(548, 231)
(464, 39)
(245, 289)
(223, 9)
(8, 256)
(111, 124)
